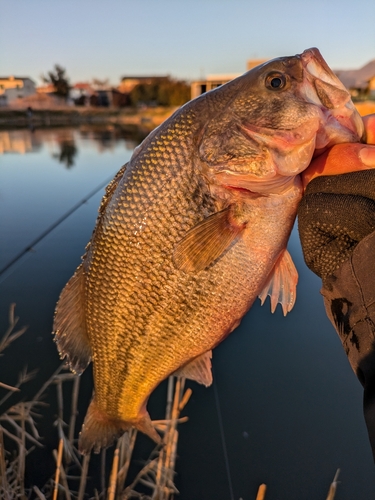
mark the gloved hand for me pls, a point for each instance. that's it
(336, 223)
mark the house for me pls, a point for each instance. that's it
(47, 88)
(360, 82)
(81, 93)
(252, 63)
(15, 87)
(199, 87)
(371, 87)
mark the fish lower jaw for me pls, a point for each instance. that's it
(339, 126)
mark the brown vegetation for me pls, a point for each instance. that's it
(17, 423)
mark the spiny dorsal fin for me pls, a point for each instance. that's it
(111, 188)
(206, 242)
(199, 369)
(281, 284)
(70, 324)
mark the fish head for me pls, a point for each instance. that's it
(274, 119)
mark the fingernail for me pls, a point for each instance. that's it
(367, 156)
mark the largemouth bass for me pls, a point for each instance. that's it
(191, 231)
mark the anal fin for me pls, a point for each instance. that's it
(281, 284)
(70, 325)
(199, 369)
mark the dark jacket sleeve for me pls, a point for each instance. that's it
(337, 229)
(349, 299)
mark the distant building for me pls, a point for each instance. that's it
(97, 94)
(15, 87)
(47, 88)
(360, 82)
(371, 87)
(81, 93)
(211, 82)
(199, 87)
(253, 63)
(102, 95)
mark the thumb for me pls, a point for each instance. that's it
(340, 159)
(344, 158)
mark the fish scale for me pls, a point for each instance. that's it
(152, 172)
(190, 232)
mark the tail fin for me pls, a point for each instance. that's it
(99, 430)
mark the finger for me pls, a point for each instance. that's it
(341, 159)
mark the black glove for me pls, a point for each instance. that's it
(336, 223)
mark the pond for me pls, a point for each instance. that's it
(285, 408)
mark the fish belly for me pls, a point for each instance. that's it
(145, 318)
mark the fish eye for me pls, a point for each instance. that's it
(276, 81)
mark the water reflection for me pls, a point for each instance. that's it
(64, 143)
(19, 141)
(68, 151)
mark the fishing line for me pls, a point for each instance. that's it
(223, 441)
(61, 219)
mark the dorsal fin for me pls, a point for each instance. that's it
(199, 369)
(111, 188)
(206, 242)
(281, 284)
(70, 324)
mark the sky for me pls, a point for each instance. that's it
(186, 39)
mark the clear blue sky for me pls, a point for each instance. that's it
(184, 38)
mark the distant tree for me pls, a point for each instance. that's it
(60, 81)
(173, 92)
(145, 93)
(162, 92)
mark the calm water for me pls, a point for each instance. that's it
(291, 409)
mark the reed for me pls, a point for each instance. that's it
(157, 475)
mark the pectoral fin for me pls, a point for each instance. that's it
(70, 324)
(281, 284)
(199, 369)
(206, 242)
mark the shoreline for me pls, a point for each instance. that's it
(147, 118)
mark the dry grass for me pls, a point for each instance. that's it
(17, 423)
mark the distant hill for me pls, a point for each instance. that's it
(357, 78)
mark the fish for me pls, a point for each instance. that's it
(191, 231)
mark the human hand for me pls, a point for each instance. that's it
(338, 208)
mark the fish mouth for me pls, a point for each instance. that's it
(340, 121)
